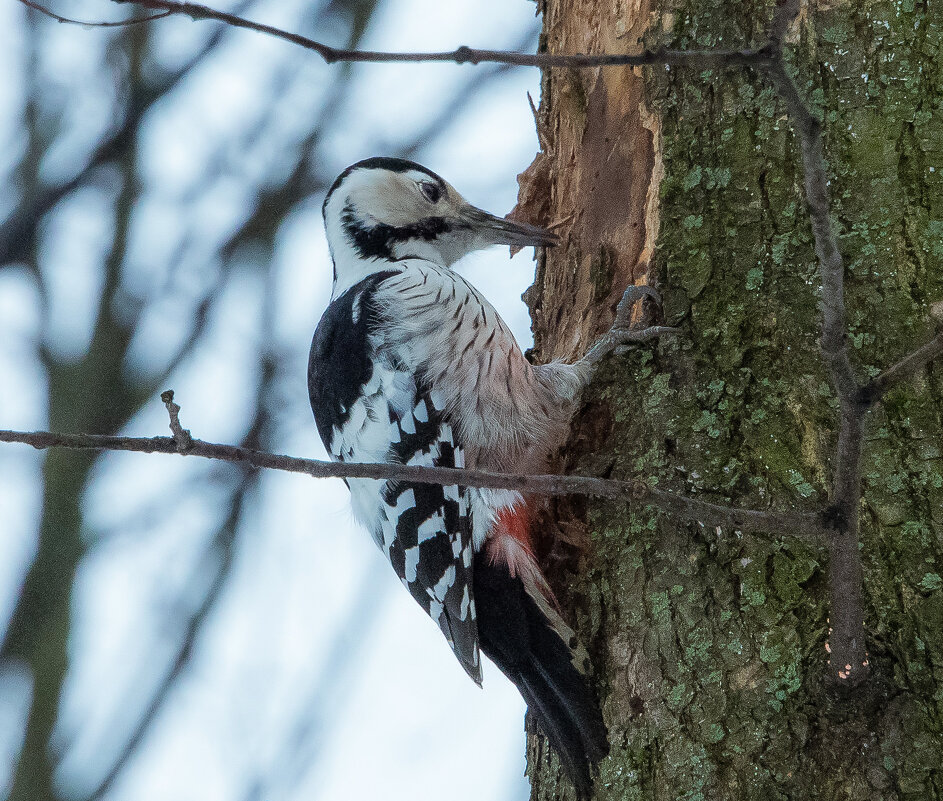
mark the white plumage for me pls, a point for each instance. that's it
(411, 364)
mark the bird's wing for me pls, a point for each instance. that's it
(371, 404)
(427, 532)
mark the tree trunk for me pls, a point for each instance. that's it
(710, 646)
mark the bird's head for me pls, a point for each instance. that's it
(387, 209)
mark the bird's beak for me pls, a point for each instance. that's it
(500, 231)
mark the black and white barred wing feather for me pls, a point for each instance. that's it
(370, 406)
(428, 536)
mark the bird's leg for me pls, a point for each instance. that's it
(622, 335)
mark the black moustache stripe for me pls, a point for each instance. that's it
(377, 241)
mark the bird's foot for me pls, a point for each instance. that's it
(624, 333)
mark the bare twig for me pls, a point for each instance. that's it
(847, 640)
(181, 435)
(538, 125)
(875, 389)
(67, 20)
(793, 524)
(831, 268)
(463, 55)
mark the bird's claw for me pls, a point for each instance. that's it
(632, 295)
(624, 333)
(628, 338)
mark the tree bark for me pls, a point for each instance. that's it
(710, 647)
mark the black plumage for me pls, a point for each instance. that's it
(376, 240)
(428, 540)
(517, 636)
(341, 361)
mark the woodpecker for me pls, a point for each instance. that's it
(410, 364)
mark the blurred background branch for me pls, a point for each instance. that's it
(207, 631)
(87, 24)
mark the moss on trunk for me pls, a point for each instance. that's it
(710, 647)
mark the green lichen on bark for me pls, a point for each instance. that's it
(710, 646)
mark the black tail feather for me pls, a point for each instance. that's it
(528, 641)
(561, 733)
(569, 685)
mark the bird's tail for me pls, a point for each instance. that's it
(524, 635)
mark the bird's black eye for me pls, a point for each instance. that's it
(430, 191)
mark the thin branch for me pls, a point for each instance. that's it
(875, 389)
(463, 54)
(847, 641)
(831, 267)
(541, 134)
(181, 435)
(68, 21)
(805, 526)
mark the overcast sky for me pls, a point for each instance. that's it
(315, 641)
